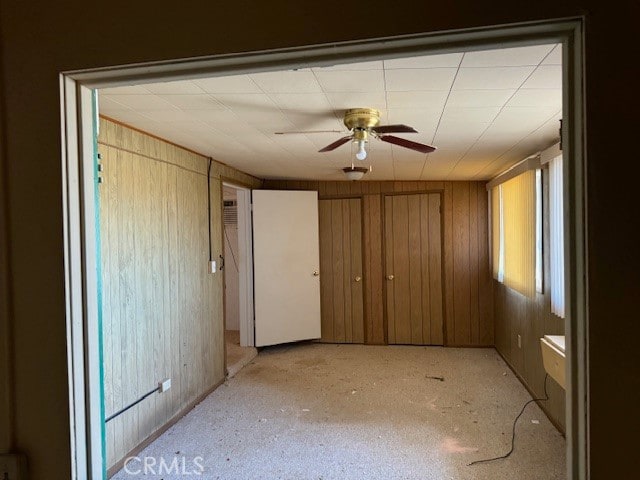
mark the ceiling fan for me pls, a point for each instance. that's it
(364, 123)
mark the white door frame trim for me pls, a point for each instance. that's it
(245, 265)
(80, 250)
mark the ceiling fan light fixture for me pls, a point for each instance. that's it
(354, 173)
(361, 153)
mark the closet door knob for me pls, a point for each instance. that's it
(357, 279)
(316, 273)
(390, 277)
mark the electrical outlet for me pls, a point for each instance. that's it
(13, 467)
(164, 386)
(519, 341)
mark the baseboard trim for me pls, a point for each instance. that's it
(155, 435)
(533, 394)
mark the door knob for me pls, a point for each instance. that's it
(316, 273)
(358, 278)
(389, 277)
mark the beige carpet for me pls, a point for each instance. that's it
(315, 411)
(237, 356)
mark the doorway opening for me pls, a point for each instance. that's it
(80, 236)
(238, 277)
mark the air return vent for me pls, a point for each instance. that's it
(230, 213)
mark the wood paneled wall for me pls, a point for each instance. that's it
(468, 288)
(531, 318)
(162, 311)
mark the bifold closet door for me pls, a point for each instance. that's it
(413, 269)
(341, 282)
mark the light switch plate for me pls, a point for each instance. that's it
(212, 269)
(13, 467)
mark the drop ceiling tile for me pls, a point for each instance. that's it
(193, 102)
(423, 120)
(375, 65)
(214, 116)
(507, 57)
(419, 79)
(287, 82)
(479, 98)
(346, 100)
(432, 100)
(469, 114)
(524, 116)
(436, 169)
(106, 105)
(236, 129)
(246, 101)
(489, 78)
(304, 120)
(555, 57)
(408, 170)
(301, 101)
(254, 116)
(545, 76)
(180, 88)
(426, 61)
(132, 90)
(133, 118)
(190, 126)
(167, 115)
(532, 97)
(142, 102)
(354, 81)
(453, 127)
(232, 84)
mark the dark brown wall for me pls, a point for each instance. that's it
(468, 302)
(40, 39)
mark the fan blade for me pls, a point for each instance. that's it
(336, 144)
(402, 142)
(394, 129)
(309, 131)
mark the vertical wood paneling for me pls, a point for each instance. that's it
(426, 280)
(342, 299)
(326, 269)
(468, 303)
(401, 301)
(474, 311)
(162, 311)
(374, 271)
(434, 235)
(389, 268)
(448, 255)
(485, 289)
(461, 264)
(416, 296)
(407, 252)
(357, 293)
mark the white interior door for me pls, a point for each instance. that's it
(286, 258)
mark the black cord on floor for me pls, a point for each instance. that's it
(513, 430)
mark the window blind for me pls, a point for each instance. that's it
(519, 207)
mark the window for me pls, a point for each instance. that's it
(515, 229)
(556, 234)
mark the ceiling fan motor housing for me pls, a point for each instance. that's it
(361, 118)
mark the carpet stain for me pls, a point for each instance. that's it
(452, 445)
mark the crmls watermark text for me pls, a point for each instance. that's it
(163, 466)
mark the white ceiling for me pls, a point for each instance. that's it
(484, 110)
